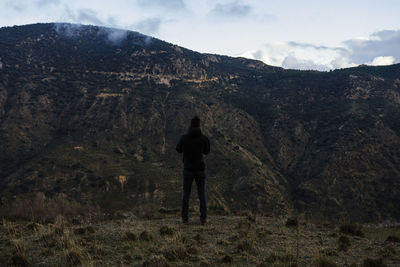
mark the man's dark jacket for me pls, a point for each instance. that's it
(193, 145)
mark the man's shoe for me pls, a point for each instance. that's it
(185, 221)
(204, 222)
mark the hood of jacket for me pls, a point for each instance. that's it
(195, 132)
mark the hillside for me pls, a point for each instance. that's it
(95, 113)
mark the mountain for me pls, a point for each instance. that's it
(95, 113)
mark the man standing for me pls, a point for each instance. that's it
(193, 145)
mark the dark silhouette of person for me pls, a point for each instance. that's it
(194, 145)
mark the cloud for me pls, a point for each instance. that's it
(303, 56)
(167, 4)
(234, 9)
(42, 3)
(115, 36)
(21, 5)
(380, 61)
(15, 5)
(380, 48)
(382, 43)
(292, 62)
(148, 26)
(238, 11)
(88, 16)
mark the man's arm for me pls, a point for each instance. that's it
(206, 148)
(179, 146)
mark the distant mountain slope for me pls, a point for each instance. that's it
(96, 113)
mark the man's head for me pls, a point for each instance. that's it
(195, 122)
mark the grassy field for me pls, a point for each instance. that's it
(225, 241)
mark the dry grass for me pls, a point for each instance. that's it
(39, 208)
(225, 240)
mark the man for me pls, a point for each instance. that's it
(193, 145)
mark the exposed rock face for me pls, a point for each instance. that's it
(96, 113)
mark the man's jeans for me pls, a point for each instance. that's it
(200, 178)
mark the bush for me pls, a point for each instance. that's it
(41, 208)
(373, 263)
(244, 245)
(145, 236)
(393, 238)
(343, 243)
(227, 259)
(292, 222)
(130, 236)
(166, 230)
(351, 229)
(323, 261)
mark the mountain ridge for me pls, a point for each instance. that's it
(98, 120)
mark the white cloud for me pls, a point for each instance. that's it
(380, 48)
(234, 9)
(293, 55)
(148, 26)
(384, 60)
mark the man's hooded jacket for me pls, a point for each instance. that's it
(193, 145)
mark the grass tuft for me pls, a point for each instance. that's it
(145, 236)
(166, 230)
(130, 236)
(292, 222)
(74, 257)
(373, 263)
(244, 246)
(393, 238)
(324, 261)
(343, 243)
(227, 259)
(156, 261)
(351, 229)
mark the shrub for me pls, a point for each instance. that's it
(373, 263)
(156, 261)
(145, 236)
(244, 245)
(351, 229)
(393, 238)
(43, 209)
(175, 252)
(147, 211)
(227, 259)
(74, 257)
(166, 230)
(343, 243)
(323, 261)
(20, 257)
(130, 236)
(292, 222)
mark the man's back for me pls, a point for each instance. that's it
(193, 145)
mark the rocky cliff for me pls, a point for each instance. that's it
(95, 113)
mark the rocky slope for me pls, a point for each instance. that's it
(96, 113)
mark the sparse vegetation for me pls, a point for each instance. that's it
(292, 222)
(167, 242)
(166, 230)
(324, 261)
(373, 263)
(393, 238)
(351, 229)
(343, 243)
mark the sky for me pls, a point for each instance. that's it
(296, 34)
